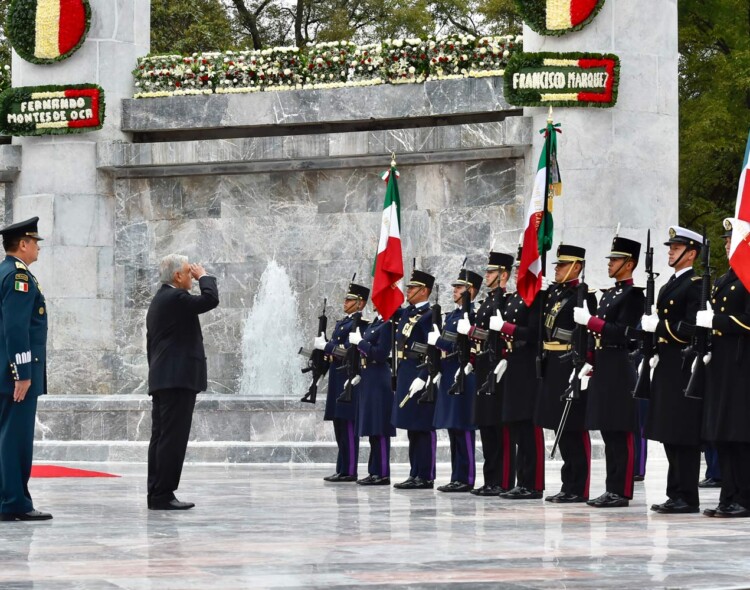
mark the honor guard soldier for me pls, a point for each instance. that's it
(455, 410)
(499, 467)
(375, 398)
(23, 376)
(610, 407)
(674, 419)
(726, 410)
(559, 333)
(414, 325)
(343, 415)
(519, 327)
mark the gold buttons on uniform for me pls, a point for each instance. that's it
(41, 311)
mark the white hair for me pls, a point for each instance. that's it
(169, 265)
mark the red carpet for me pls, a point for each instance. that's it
(57, 471)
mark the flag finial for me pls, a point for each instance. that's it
(393, 159)
(549, 117)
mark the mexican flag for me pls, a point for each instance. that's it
(387, 289)
(537, 237)
(566, 14)
(739, 250)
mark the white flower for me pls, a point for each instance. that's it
(287, 72)
(483, 51)
(398, 43)
(330, 76)
(506, 53)
(412, 69)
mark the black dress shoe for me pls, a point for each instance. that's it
(712, 511)
(174, 504)
(341, 478)
(423, 484)
(331, 477)
(404, 485)
(679, 506)
(486, 490)
(33, 515)
(709, 482)
(563, 498)
(657, 507)
(374, 480)
(734, 510)
(521, 493)
(639, 477)
(455, 486)
(609, 500)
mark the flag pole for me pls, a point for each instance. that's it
(394, 357)
(545, 211)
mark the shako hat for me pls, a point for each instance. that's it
(356, 291)
(625, 248)
(22, 229)
(681, 235)
(468, 278)
(567, 253)
(421, 279)
(499, 261)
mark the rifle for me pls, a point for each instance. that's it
(316, 360)
(696, 386)
(351, 365)
(432, 356)
(648, 343)
(580, 346)
(463, 348)
(492, 339)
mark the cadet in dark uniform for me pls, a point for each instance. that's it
(499, 463)
(455, 411)
(414, 324)
(726, 409)
(375, 398)
(23, 375)
(343, 415)
(673, 419)
(559, 333)
(519, 327)
(610, 406)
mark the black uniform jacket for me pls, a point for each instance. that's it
(174, 342)
(673, 418)
(558, 358)
(488, 408)
(610, 404)
(726, 412)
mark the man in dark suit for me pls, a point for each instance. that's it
(23, 347)
(176, 372)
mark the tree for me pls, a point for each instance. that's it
(714, 110)
(186, 26)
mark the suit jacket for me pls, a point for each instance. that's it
(23, 322)
(176, 358)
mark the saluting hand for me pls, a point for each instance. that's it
(197, 271)
(20, 390)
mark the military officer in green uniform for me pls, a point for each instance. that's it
(23, 323)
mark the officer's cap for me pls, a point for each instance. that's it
(727, 228)
(498, 261)
(421, 279)
(468, 278)
(22, 229)
(681, 235)
(625, 248)
(567, 253)
(357, 292)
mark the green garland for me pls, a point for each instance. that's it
(534, 14)
(20, 27)
(14, 96)
(530, 97)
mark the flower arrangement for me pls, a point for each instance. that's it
(558, 17)
(324, 65)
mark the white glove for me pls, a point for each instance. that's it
(416, 386)
(496, 322)
(458, 372)
(356, 380)
(707, 358)
(654, 361)
(650, 322)
(437, 379)
(320, 342)
(581, 315)
(584, 375)
(468, 369)
(355, 337)
(500, 370)
(433, 336)
(546, 284)
(705, 319)
(464, 325)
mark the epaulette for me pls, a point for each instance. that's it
(21, 265)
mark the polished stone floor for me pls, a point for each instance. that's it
(282, 527)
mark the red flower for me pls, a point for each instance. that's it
(177, 84)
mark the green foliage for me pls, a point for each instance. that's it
(186, 26)
(714, 111)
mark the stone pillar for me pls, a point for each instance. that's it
(60, 183)
(619, 164)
